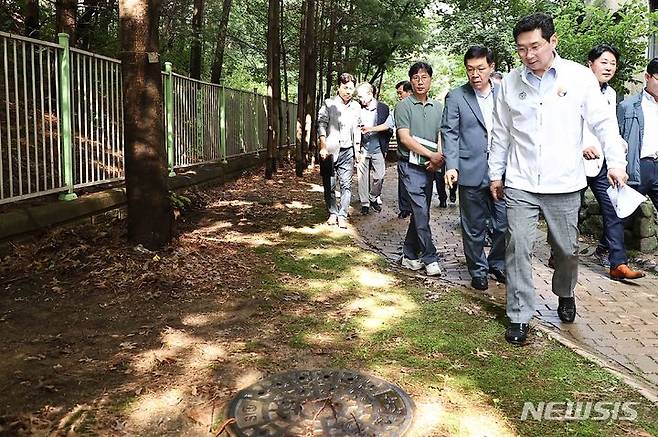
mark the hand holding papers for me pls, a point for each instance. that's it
(415, 158)
(625, 200)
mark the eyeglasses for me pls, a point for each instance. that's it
(525, 51)
(480, 71)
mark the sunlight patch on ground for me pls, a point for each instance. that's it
(313, 188)
(213, 228)
(371, 278)
(150, 359)
(321, 339)
(198, 320)
(232, 203)
(175, 338)
(324, 288)
(249, 377)
(298, 205)
(428, 416)
(252, 240)
(378, 311)
(209, 352)
(155, 406)
(321, 229)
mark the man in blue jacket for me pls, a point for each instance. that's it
(638, 124)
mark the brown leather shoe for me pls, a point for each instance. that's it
(622, 271)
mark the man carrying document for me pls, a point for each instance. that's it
(418, 121)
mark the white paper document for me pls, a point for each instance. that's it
(415, 158)
(625, 200)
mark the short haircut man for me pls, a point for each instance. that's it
(542, 163)
(466, 131)
(374, 145)
(637, 116)
(339, 138)
(418, 119)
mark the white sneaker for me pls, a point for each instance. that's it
(411, 264)
(433, 269)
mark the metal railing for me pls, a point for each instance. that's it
(30, 146)
(61, 119)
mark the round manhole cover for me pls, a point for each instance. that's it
(324, 402)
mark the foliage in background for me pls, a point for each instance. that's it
(581, 27)
(460, 24)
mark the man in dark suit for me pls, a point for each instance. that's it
(466, 132)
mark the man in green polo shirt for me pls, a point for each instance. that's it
(418, 120)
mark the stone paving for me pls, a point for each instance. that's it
(617, 321)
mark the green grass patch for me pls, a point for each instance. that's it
(451, 350)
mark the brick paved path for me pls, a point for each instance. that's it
(618, 321)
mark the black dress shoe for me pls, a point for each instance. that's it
(443, 204)
(365, 210)
(480, 283)
(566, 309)
(453, 196)
(498, 274)
(404, 214)
(517, 333)
(375, 206)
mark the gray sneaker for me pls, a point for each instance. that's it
(433, 269)
(411, 264)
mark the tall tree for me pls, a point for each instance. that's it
(285, 76)
(149, 208)
(218, 59)
(331, 43)
(196, 46)
(32, 23)
(307, 68)
(273, 87)
(66, 12)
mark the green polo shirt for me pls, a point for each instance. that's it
(422, 120)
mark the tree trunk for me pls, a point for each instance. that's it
(300, 162)
(285, 77)
(273, 86)
(311, 89)
(196, 44)
(218, 60)
(306, 81)
(66, 12)
(32, 24)
(330, 49)
(149, 209)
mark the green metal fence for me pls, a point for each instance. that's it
(61, 119)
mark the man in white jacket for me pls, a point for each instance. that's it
(536, 154)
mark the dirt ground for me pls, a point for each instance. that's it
(92, 324)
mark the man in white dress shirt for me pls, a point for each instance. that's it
(536, 154)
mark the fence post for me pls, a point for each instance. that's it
(222, 125)
(256, 124)
(65, 115)
(169, 114)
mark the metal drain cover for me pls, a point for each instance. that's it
(322, 402)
